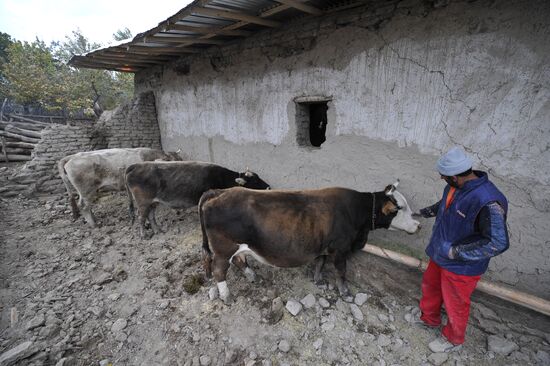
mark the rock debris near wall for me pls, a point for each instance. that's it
(131, 125)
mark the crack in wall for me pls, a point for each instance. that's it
(471, 109)
(426, 68)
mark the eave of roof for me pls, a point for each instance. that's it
(200, 25)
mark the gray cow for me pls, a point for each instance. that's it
(90, 172)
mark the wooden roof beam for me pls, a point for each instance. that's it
(301, 6)
(98, 61)
(126, 54)
(208, 30)
(149, 50)
(180, 40)
(210, 12)
(89, 65)
(125, 60)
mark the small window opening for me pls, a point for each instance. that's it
(311, 123)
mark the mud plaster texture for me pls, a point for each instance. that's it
(405, 81)
(131, 125)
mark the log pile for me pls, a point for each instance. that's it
(18, 137)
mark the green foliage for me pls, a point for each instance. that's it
(37, 74)
(122, 34)
(5, 42)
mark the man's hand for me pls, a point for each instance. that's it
(424, 212)
(451, 253)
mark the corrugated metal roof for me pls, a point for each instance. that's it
(200, 25)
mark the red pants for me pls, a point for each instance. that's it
(441, 286)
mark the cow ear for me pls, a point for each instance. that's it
(240, 181)
(389, 190)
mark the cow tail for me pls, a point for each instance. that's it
(68, 186)
(206, 252)
(131, 209)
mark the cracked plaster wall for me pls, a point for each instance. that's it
(407, 80)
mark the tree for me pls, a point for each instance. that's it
(37, 74)
(122, 34)
(5, 42)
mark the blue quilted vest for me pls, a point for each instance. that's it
(458, 222)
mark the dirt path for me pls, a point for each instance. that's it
(74, 296)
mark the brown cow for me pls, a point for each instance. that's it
(90, 172)
(292, 228)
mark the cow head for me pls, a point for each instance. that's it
(251, 180)
(397, 209)
(172, 156)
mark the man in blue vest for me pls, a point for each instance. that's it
(469, 229)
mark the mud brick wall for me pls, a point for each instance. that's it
(131, 125)
(40, 174)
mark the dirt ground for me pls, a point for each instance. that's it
(70, 295)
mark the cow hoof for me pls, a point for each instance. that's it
(227, 300)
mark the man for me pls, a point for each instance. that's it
(469, 229)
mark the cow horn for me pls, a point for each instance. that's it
(248, 173)
(396, 183)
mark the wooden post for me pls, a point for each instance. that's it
(500, 291)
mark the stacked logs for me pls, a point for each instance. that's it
(18, 137)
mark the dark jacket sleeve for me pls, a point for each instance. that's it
(492, 238)
(430, 211)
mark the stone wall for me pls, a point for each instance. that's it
(405, 81)
(131, 125)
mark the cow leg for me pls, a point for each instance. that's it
(143, 209)
(319, 263)
(74, 207)
(340, 260)
(207, 263)
(220, 266)
(86, 210)
(242, 264)
(153, 221)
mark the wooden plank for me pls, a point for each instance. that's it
(162, 50)
(126, 60)
(122, 55)
(16, 157)
(180, 40)
(208, 30)
(19, 137)
(21, 131)
(106, 67)
(301, 6)
(26, 126)
(20, 145)
(95, 61)
(274, 10)
(3, 141)
(217, 13)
